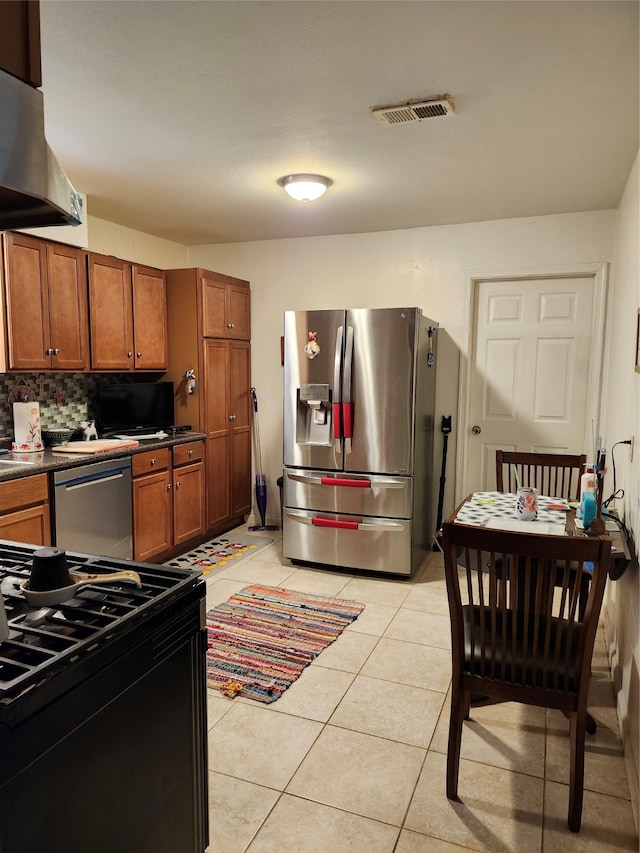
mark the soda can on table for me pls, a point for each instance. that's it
(527, 504)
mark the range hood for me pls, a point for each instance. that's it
(34, 190)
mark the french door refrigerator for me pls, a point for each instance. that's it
(359, 392)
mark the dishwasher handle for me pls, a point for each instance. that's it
(88, 479)
(91, 481)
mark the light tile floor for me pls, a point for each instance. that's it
(352, 757)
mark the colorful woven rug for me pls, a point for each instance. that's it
(262, 638)
(216, 554)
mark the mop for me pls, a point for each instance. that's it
(261, 482)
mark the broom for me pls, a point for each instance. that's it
(261, 482)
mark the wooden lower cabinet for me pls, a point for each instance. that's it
(168, 499)
(25, 511)
(188, 492)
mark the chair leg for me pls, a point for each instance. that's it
(577, 726)
(459, 702)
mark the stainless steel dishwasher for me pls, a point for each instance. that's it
(92, 506)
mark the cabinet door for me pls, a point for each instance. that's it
(29, 525)
(111, 313)
(20, 40)
(152, 515)
(240, 421)
(27, 302)
(216, 378)
(239, 312)
(188, 502)
(24, 510)
(68, 307)
(150, 319)
(214, 313)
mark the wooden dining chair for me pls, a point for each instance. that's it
(516, 636)
(556, 475)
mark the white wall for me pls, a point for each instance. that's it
(107, 238)
(621, 420)
(426, 267)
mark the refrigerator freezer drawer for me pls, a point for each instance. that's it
(368, 543)
(359, 494)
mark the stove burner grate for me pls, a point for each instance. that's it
(42, 638)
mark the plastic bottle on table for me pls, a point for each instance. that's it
(588, 509)
(587, 484)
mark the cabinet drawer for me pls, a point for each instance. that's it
(25, 491)
(152, 460)
(183, 454)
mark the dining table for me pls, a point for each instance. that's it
(555, 517)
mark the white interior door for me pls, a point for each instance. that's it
(529, 376)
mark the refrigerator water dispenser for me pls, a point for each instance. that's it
(314, 415)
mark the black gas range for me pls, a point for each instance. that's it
(103, 712)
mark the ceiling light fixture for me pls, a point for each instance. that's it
(305, 187)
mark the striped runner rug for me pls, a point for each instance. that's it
(261, 639)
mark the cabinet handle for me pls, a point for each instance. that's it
(178, 484)
(152, 461)
(49, 351)
(229, 325)
(232, 417)
(233, 325)
(138, 355)
(168, 487)
(129, 354)
(56, 351)
(191, 453)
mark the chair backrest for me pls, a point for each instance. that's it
(556, 475)
(513, 599)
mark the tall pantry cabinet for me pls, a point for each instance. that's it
(209, 333)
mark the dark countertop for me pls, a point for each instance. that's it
(11, 468)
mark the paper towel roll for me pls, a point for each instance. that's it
(26, 428)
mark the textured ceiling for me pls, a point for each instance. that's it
(178, 118)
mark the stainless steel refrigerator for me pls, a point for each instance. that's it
(359, 392)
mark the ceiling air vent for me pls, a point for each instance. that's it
(413, 111)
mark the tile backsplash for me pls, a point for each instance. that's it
(65, 398)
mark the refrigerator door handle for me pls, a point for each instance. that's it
(363, 483)
(305, 478)
(337, 412)
(347, 403)
(354, 523)
(389, 526)
(346, 483)
(337, 523)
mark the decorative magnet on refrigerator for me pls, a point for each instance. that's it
(312, 347)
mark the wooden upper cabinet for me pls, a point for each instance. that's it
(111, 313)
(226, 307)
(150, 318)
(20, 40)
(46, 305)
(68, 307)
(128, 311)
